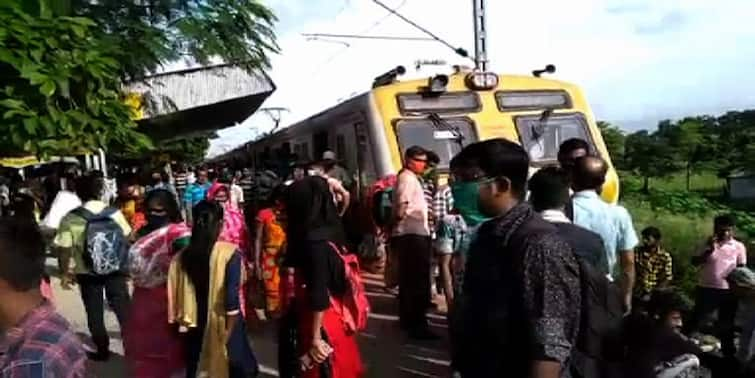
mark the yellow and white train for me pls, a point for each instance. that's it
(443, 113)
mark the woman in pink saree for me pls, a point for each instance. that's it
(153, 346)
(234, 225)
(234, 231)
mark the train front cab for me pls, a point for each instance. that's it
(538, 113)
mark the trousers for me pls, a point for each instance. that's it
(115, 289)
(414, 255)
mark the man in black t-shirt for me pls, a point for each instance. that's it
(549, 194)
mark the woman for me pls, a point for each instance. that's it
(203, 287)
(24, 207)
(269, 242)
(324, 346)
(234, 227)
(153, 347)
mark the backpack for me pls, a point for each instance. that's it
(380, 200)
(105, 246)
(598, 352)
(354, 307)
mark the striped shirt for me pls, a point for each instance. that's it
(181, 182)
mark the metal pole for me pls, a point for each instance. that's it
(481, 35)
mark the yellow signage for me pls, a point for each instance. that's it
(135, 102)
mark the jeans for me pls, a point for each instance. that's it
(414, 254)
(116, 291)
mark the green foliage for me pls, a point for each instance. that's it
(190, 151)
(151, 33)
(615, 141)
(60, 90)
(685, 219)
(648, 155)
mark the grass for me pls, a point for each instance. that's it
(686, 227)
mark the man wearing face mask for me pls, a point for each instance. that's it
(160, 181)
(521, 284)
(410, 239)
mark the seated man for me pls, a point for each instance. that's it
(654, 341)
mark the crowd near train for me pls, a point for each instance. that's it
(487, 199)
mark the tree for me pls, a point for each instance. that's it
(647, 155)
(190, 151)
(65, 62)
(614, 139)
(686, 140)
(60, 87)
(151, 33)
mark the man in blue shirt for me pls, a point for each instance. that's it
(196, 192)
(612, 222)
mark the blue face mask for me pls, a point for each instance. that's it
(466, 201)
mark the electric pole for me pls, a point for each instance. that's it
(480, 35)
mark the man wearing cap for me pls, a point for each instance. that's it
(334, 170)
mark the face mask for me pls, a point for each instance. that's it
(417, 167)
(466, 201)
(157, 220)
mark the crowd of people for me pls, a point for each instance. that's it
(540, 276)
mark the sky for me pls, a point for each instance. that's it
(638, 61)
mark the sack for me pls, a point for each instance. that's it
(380, 200)
(354, 307)
(684, 366)
(105, 245)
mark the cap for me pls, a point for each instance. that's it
(329, 155)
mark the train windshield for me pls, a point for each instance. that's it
(542, 135)
(444, 136)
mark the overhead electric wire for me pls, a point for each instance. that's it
(361, 36)
(458, 50)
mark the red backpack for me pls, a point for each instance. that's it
(354, 307)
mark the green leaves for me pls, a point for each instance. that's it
(62, 89)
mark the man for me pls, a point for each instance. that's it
(341, 196)
(521, 291)
(196, 192)
(571, 150)
(410, 240)
(36, 341)
(549, 194)
(612, 222)
(71, 241)
(237, 192)
(654, 340)
(160, 181)
(654, 265)
(334, 170)
(722, 255)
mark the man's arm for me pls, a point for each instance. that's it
(702, 258)
(400, 197)
(627, 277)
(626, 244)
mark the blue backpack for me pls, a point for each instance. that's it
(105, 246)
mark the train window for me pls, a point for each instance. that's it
(452, 102)
(446, 138)
(532, 100)
(542, 135)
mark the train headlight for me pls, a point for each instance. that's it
(482, 80)
(437, 84)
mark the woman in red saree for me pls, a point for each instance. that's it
(153, 347)
(325, 348)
